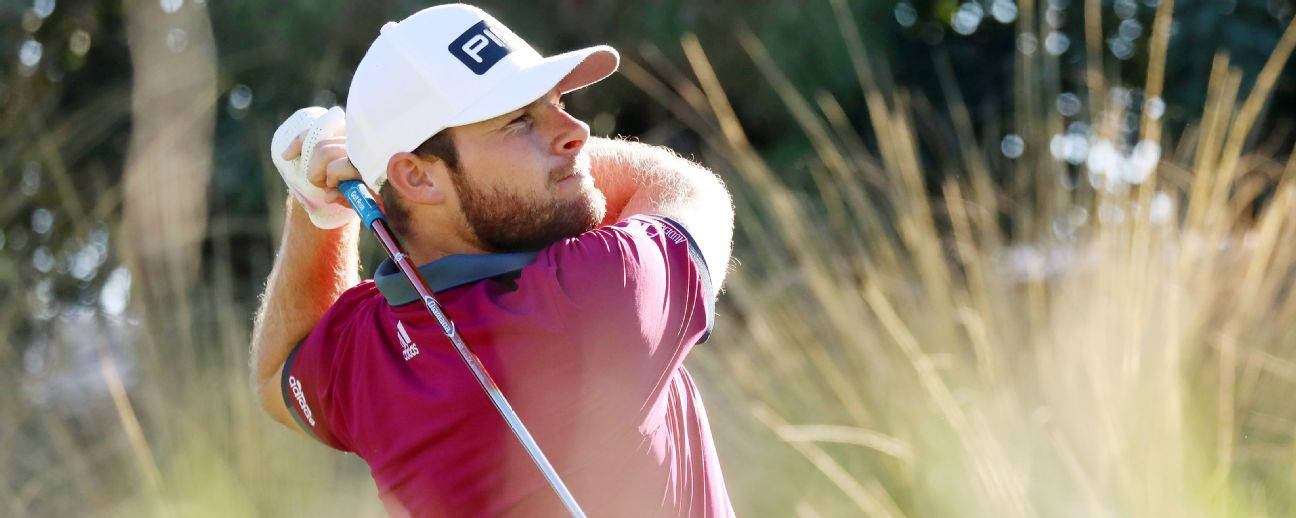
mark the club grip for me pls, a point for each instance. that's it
(362, 201)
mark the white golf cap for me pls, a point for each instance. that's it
(447, 66)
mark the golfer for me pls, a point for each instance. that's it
(582, 271)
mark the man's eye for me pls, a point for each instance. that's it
(521, 119)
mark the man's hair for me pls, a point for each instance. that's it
(441, 147)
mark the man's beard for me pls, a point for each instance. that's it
(507, 222)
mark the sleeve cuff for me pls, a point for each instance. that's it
(286, 388)
(703, 271)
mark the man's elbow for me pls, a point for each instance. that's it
(261, 376)
(269, 394)
(264, 382)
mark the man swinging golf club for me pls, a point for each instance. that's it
(581, 271)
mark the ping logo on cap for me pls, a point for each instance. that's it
(478, 48)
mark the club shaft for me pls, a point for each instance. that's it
(378, 225)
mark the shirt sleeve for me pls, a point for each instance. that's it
(308, 382)
(640, 289)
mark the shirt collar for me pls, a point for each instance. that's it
(447, 272)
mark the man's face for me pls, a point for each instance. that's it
(524, 178)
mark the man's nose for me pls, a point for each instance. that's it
(571, 133)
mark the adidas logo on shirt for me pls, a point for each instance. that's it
(300, 396)
(408, 348)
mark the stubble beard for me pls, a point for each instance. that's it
(508, 222)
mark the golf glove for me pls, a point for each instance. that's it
(316, 123)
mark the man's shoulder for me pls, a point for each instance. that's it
(354, 299)
(365, 290)
(634, 238)
(635, 257)
(354, 307)
(636, 230)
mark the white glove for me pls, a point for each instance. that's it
(316, 123)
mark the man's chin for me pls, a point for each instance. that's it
(581, 215)
(508, 223)
(597, 204)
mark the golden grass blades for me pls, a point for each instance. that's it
(892, 341)
(1125, 368)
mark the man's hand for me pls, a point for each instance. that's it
(309, 149)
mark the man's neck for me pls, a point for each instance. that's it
(431, 237)
(431, 252)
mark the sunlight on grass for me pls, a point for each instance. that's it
(1041, 340)
(1003, 327)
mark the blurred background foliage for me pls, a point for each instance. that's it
(68, 73)
(91, 344)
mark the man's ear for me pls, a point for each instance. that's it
(419, 180)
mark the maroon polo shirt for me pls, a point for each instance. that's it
(586, 338)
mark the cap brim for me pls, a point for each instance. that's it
(566, 72)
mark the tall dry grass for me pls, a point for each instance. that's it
(1033, 339)
(1036, 339)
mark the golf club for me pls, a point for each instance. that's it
(372, 217)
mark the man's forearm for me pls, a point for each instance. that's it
(638, 178)
(642, 179)
(312, 269)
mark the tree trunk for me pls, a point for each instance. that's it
(168, 165)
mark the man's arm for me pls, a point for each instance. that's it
(311, 271)
(642, 179)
